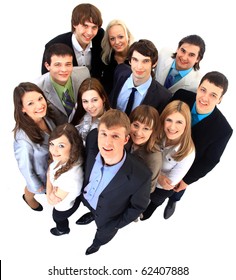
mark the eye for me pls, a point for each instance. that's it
(115, 136)
(61, 146)
(51, 144)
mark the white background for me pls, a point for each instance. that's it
(201, 234)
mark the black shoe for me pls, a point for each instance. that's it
(85, 219)
(170, 209)
(39, 208)
(57, 232)
(92, 249)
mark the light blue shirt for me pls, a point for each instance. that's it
(126, 91)
(100, 177)
(182, 73)
(197, 117)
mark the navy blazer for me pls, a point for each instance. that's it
(210, 137)
(126, 196)
(157, 95)
(96, 62)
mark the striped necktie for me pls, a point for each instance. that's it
(170, 80)
(67, 102)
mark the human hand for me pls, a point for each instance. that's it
(180, 187)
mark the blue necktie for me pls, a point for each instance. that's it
(67, 102)
(170, 80)
(130, 102)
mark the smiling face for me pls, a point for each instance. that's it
(141, 68)
(34, 105)
(60, 68)
(174, 126)
(60, 149)
(84, 33)
(187, 56)
(93, 103)
(111, 143)
(140, 132)
(208, 96)
(118, 39)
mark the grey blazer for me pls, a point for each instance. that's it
(32, 159)
(189, 82)
(79, 74)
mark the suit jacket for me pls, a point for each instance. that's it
(126, 196)
(157, 95)
(210, 137)
(32, 158)
(189, 82)
(96, 62)
(79, 74)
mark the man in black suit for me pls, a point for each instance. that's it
(116, 184)
(210, 130)
(142, 56)
(84, 39)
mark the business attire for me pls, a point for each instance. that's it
(153, 160)
(156, 95)
(210, 137)
(96, 62)
(107, 78)
(189, 82)
(32, 158)
(79, 74)
(125, 196)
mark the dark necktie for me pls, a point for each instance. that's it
(67, 102)
(171, 78)
(130, 102)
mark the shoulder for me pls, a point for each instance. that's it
(98, 38)
(40, 81)
(122, 69)
(222, 121)
(138, 166)
(80, 72)
(62, 38)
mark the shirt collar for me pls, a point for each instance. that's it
(142, 89)
(182, 73)
(77, 46)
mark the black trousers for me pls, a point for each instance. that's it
(61, 217)
(157, 198)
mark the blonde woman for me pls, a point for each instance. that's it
(178, 152)
(115, 45)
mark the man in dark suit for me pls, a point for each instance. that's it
(84, 39)
(116, 184)
(142, 56)
(210, 130)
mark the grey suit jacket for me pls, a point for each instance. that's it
(189, 82)
(79, 74)
(32, 158)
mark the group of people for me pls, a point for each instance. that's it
(115, 125)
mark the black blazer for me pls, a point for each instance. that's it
(210, 137)
(157, 95)
(96, 62)
(126, 196)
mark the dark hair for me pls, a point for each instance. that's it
(196, 41)
(77, 148)
(89, 84)
(85, 12)
(58, 49)
(146, 48)
(216, 78)
(23, 121)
